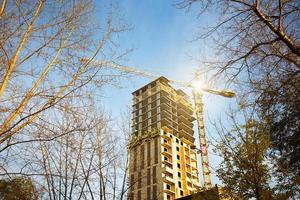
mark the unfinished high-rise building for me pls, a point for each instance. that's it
(163, 162)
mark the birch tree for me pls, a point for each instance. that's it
(42, 46)
(79, 158)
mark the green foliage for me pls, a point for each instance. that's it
(281, 105)
(244, 169)
(17, 189)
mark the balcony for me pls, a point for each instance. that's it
(193, 158)
(167, 163)
(167, 89)
(187, 128)
(166, 139)
(194, 175)
(183, 112)
(186, 137)
(166, 114)
(166, 136)
(165, 107)
(196, 184)
(187, 155)
(171, 192)
(136, 99)
(154, 89)
(168, 127)
(194, 168)
(166, 144)
(186, 105)
(189, 184)
(189, 175)
(167, 154)
(186, 120)
(166, 120)
(166, 99)
(188, 169)
(169, 189)
(168, 169)
(187, 161)
(168, 179)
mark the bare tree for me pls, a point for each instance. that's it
(259, 51)
(47, 96)
(125, 128)
(78, 159)
(42, 46)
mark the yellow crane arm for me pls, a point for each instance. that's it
(130, 70)
(113, 65)
(118, 67)
(224, 93)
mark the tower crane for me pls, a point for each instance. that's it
(198, 107)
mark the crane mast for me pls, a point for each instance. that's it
(202, 139)
(198, 103)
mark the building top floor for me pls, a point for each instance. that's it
(160, 84)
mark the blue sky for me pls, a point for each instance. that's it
(161, 39)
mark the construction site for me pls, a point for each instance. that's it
(163, 161)
(162, 151)
(128, 100)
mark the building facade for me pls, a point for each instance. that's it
(163, 162)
